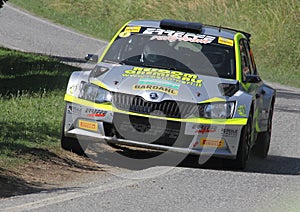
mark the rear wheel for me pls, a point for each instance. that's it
(264, 138)
(244, 148)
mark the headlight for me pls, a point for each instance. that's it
(222, 110)
(95, 94)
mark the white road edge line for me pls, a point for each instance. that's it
(72, 195)
(127, 179)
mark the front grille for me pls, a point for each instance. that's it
(150, 130)
(168, 108)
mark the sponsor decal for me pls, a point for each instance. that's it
(201, 129)
(74, 88)
(225, 41)
(166, 75)
(207, 142)
(242, 110)
(124, 34)
(95, 112)
(132, 29)
(87, 125)
(171, 36)
(74, 110)
(164, 83)
(187, 39)
(229, 132)
(155, 88)
(195, 144)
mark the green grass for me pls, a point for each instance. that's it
(31, 104)
(274, 25)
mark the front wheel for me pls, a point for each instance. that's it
(71, 144)
(244, 148)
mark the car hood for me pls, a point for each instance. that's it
(158, 84)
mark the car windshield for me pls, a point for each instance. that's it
(169, 52)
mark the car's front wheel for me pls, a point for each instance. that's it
(71, 144)
(244, 148)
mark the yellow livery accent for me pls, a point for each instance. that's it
(132, 29)
(100, 84)
(225, 41)
(124, 34)
(238, 65)
(255, 117)
(238, 62)
(215, 99)
(111, 42)
(109, 107)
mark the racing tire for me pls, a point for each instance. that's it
(243, 153)
(71, 144)
(263, 141)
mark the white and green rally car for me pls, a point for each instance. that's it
(173, 86)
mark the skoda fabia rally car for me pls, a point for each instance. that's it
(173, 86)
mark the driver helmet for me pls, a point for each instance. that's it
(154, 51)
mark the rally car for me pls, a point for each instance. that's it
(173, 86)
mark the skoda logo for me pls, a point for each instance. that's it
(153, 96)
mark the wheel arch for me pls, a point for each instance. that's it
(244, 104)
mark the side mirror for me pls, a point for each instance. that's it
(253, 79)
(92, 58)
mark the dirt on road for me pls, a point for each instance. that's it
(46, 171)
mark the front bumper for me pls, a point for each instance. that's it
(95, 137)
(100, 125)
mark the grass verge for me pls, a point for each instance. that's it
(31, 105)
(273, 24)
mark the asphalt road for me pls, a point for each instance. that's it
(265, 185)
(22, 31)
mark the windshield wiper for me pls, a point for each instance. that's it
(135, 63)
(140, 63)
(157, 66)
(130, 63)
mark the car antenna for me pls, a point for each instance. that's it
(220, 28)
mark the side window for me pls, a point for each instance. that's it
(246, 61)
(252, 59)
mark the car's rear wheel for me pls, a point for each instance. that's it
(264, 138)
(71, 144)
(244, 148)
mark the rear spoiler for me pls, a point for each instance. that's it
(181, 25)
(194, 27)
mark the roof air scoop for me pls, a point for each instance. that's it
(181, 25)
